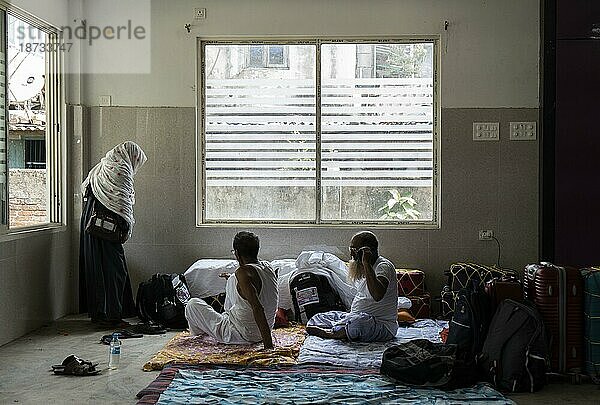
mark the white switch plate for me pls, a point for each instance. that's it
(486, 234)
(199, 13)
(105, 101)
(523, 131)
(486, 131)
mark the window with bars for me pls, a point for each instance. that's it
(347, 134)
(31, 109)
(35, 154)
(266, 56)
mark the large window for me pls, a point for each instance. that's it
(31, 167)
(347, 133)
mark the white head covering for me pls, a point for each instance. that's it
(112, 179)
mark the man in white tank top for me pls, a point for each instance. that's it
(250, 300)
(373, 314)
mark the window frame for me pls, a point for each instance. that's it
(201, 220)
(56, 164)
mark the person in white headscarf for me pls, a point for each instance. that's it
(105, 287)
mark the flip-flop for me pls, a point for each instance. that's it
(123, 334)
(148, 329)
(73, 365)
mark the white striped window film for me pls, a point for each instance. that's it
(278, 147)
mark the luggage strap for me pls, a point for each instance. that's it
(562, 317)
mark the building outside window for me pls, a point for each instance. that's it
(346, 134)
(267, 56)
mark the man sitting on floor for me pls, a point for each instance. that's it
(250, 300)
(373, 314)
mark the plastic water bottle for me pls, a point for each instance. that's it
(114, 352)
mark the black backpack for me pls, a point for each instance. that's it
(312, 294)
(421, 363)
(515, 354)
(469, 325)
(468, 330)
(162, 299)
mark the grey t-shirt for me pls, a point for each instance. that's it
(385, 310)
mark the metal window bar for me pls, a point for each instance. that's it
(35, 154)
(3, 125)
(54, 151)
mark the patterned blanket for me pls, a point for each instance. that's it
(364, 355)
(297, 386)
(186, 349)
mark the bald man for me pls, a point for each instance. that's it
(373, 314)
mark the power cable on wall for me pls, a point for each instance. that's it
(499, 248)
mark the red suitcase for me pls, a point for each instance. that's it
(499, 290)
(558, 294)
(410, 282)
(421, 306)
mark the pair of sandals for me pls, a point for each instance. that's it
(74, 365)
(135, 331)
(121, 334)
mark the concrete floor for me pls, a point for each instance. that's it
(25, 375)
(25, 366)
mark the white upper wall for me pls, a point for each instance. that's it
(489, 55)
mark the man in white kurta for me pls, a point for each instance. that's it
(250, 300)
(373, 314)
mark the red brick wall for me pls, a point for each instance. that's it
(27, 197)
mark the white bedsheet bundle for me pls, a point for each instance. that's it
(203, 276)
(203, 279)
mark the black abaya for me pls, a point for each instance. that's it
(104, 284)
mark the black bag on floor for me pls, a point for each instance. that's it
(420, 363)
(162, 300)
(515, 353)
(312, 294)
(469, 325)
(468, 330)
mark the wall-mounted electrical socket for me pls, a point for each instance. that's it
(522, 131)
(486, 234)
(199, 13)
(486, 131)
(105, 101)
